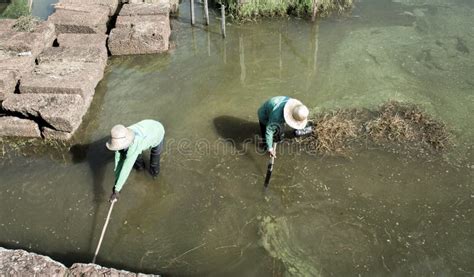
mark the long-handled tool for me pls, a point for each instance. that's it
(270, 168)
(103, 230)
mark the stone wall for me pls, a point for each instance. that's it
(46, 89)
(22, 263)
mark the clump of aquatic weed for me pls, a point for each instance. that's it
(26, 23)
(337, 132)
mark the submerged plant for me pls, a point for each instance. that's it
(394, 122)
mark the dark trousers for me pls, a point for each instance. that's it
(155, 156)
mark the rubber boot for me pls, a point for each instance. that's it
(139, 164)
(155, 155)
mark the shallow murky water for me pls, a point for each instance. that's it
(375, 213)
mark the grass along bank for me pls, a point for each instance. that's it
(250, 9)
(16, 9)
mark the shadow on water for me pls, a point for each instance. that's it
(236, 130)
(97, 157)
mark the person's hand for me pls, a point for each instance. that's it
(114, 197)
(272, 152)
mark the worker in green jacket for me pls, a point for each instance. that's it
(129, 143)
(276, 111)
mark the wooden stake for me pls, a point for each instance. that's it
(206, 12)
(315, 10)
(103, 230)
(192, 11)
(223, 20)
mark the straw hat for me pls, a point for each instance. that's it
(120, 138)
(296, 114)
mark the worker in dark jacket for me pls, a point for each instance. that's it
(129, 143)
(276, 111)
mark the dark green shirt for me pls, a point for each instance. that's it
(271, 114)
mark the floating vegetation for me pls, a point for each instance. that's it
(26, 23)
(337, 132)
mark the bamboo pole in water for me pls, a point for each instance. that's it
(30, 5)
(315, 10)
(206, 12)
(191, 3)
(242, 59)
(223, 20)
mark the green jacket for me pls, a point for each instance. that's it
(271, 114)
(148, 133)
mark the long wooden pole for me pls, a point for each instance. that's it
(270, 168)
(103, 230)
(191, 3)
(206, 12)
(315, 10)
(223, 20)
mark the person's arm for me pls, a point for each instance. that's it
(121, 177)
(269, 133)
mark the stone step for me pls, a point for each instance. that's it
(63, 78)
(8, 81)
(74, 55)
(60, 112)
(42, 36)
(83, 40)
(14, 126)
(162, 8)
(72, 18)
(111, 4)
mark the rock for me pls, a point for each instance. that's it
(60, 112)
(14, 126)
(174, 4)
(63, 78)
(90, 270)
(82, 40)
(49, 133)
(73, 55)
(161, 8)
(22, 263)
(8, 83)
(143, 38)
(80, 19)
(6, 25)
(19, 65)
(132, 21)
(111, 4)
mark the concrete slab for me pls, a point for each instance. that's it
(49, 133)
(162, 8)
(80, 19)
(144, 38)
(73, 54)
(6, 24)
(11, 126)
(131, 21)
(63, 78)
(111, 4)
(60, 112)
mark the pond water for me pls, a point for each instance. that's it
(376, 212)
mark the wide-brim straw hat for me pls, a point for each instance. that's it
(120, 138)
(295, 114)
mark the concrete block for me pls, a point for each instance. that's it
(60, 112)
(11, 126)
(22, 263)
(6, 25)
(162, 8)
(20, 65)
(144, 38)
(80, 19)
(112, 5)
(73, 55)
(63, 78)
